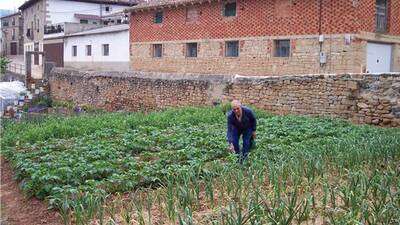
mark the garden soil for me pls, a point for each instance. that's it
(16, 208)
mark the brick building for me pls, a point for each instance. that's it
(265, 37)
(12, 39)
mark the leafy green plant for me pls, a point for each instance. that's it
(3, 64)
(43, 100)
(303, 169)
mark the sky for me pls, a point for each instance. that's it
(11, 4)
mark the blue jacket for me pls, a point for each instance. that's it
(248, 121)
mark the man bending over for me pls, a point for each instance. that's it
(241, 122)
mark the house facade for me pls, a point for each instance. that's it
(50, 20)
(266, 37)
(103, 48)
(12, 42)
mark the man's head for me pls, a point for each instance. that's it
(237, 107)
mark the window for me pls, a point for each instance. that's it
(28, 32)
(191, 50)
(108, 8)
(192, 14)
(5, 23)
(13, 21)
(88, 50)
(106, 49)
(157, 50)
(230, 9)
(158, 17)
(119, 21)
(37, 25)
(381, 15)
(74, 50)
(232, 48)
(83, 21)
(13, 34)
(282, 48)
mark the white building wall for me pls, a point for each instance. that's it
(60, 11)
(118, 58)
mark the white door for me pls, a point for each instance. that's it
(379, 57)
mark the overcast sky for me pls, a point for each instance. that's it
(10, 4)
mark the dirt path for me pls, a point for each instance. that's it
(16, 209)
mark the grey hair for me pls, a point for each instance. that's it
(236, 103)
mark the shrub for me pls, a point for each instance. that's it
(3, 64)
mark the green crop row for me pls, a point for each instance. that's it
(176, 168)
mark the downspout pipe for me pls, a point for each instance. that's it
(320, 38)
(320, 22)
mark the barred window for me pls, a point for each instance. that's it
(381, 15)
(158, 17)
(74, 50)
(157, 50)
(106, 49)
(282, 48)
(232, 48)
(191, 50)
(88, 50)
(230, 9)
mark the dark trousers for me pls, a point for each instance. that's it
(247, 142)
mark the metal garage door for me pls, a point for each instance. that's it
(379, 57)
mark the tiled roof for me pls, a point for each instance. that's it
(102, 30)
(153, 4)
(111, 2)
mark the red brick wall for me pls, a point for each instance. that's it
(394, 19)
(365, 15)
(263, 18)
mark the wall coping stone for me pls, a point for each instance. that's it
(63, 72)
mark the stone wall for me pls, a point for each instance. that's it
(256, 56)
(360, 98)
(371, 99)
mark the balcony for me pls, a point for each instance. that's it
(61, 29)
(54, 29)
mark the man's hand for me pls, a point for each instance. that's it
(231, 148)
(254, 135)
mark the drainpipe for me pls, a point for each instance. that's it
(322, 55)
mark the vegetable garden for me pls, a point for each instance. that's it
(173, 167)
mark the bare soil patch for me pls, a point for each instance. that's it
(16, 208)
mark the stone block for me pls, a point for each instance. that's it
(375, 121)
(362, 105)
(352, 85)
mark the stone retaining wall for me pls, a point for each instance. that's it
(360, 98)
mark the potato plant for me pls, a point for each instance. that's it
(173, 167)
